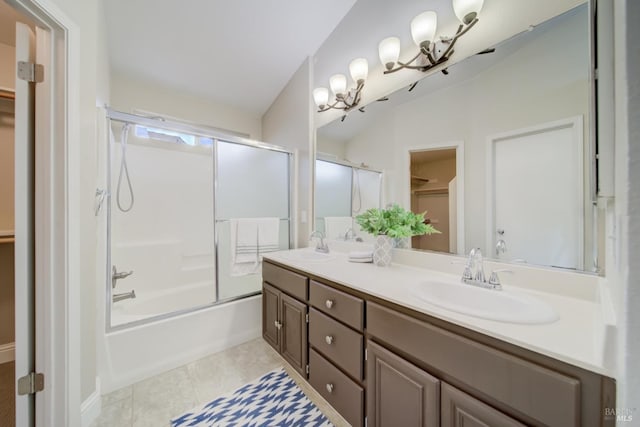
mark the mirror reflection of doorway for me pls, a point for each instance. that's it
(433, 189)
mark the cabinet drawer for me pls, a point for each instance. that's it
(341, 345)
(344, 395)
(546, 396)
(292, 283)
(342, 306)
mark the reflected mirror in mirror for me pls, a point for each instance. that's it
(343, 191)
(511, 125)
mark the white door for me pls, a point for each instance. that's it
(538, 195)
(24, 225)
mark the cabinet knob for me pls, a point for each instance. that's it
(330, 388)
(329, 339)
(277, 324)
(329, 303)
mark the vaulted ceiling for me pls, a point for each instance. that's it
(238, 53)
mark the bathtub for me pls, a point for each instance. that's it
(141, 351)
(155, 303)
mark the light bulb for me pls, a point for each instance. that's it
(423, 29)
(389, 51)
(321, 96)
(359, 69)
(467, 10)
(338, 83)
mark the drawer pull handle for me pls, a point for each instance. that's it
(329, 303)
(277, 324)
(330, 388)
(328, 339)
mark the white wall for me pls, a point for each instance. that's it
(623, 256)
(129, 93)
(85, 15)
(287, 123)
(329, 146)
(518, 92)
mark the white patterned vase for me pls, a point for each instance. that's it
(382, 250)
(401, 243)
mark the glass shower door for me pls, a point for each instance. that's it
(252, 182)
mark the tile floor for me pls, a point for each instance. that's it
(154, 401)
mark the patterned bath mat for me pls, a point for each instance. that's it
(272, 400)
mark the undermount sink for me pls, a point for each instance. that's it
(308, 255)
(502, 306)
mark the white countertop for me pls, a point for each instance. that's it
(577, 338)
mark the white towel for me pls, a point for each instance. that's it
(335, 227)
(361, 254)
(249, 238)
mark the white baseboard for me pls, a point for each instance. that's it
(7, 352)
(91, 407)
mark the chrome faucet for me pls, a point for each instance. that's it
(321, 246)
(350, 234)
(501, 247)
(473, 273)
(124, 295)
(117, 275)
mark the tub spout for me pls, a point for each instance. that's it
(123, 296)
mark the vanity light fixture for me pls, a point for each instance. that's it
(423, 31)
(345, 99)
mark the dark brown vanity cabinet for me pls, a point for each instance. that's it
(336, 354)
(418, 370)
(398, 392)
(284, 318)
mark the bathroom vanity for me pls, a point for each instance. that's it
(381, 358)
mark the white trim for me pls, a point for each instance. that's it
(575, 123)
(91, 407)
(7, 352)
(405, 173)
(57, 268)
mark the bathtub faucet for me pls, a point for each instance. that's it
(117, 275)
(123, 296)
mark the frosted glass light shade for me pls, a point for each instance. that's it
(321, 96)
(467, 10)
(389, 51)
(338, 83)
(423, 28)
(359, 69)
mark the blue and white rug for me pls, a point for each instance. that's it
(272, 400)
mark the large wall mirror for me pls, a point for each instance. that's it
(497, 152)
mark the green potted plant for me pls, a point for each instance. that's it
(394, 222)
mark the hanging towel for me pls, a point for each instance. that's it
(244, 246)
(336, 227)
(268, 235)
(251, 237)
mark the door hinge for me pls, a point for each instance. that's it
(365, 354)
(30, 384)
(307, 369)
(31, 72)
(365, 421)
(306, 317)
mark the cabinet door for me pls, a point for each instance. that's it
(293, 335)
(459, 409)
(399, 393)
(270, 316)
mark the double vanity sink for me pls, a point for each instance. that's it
(410, 344)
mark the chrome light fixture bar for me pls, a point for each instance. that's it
(423, 31)
(344, 99)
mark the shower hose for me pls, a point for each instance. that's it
(124, 171)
